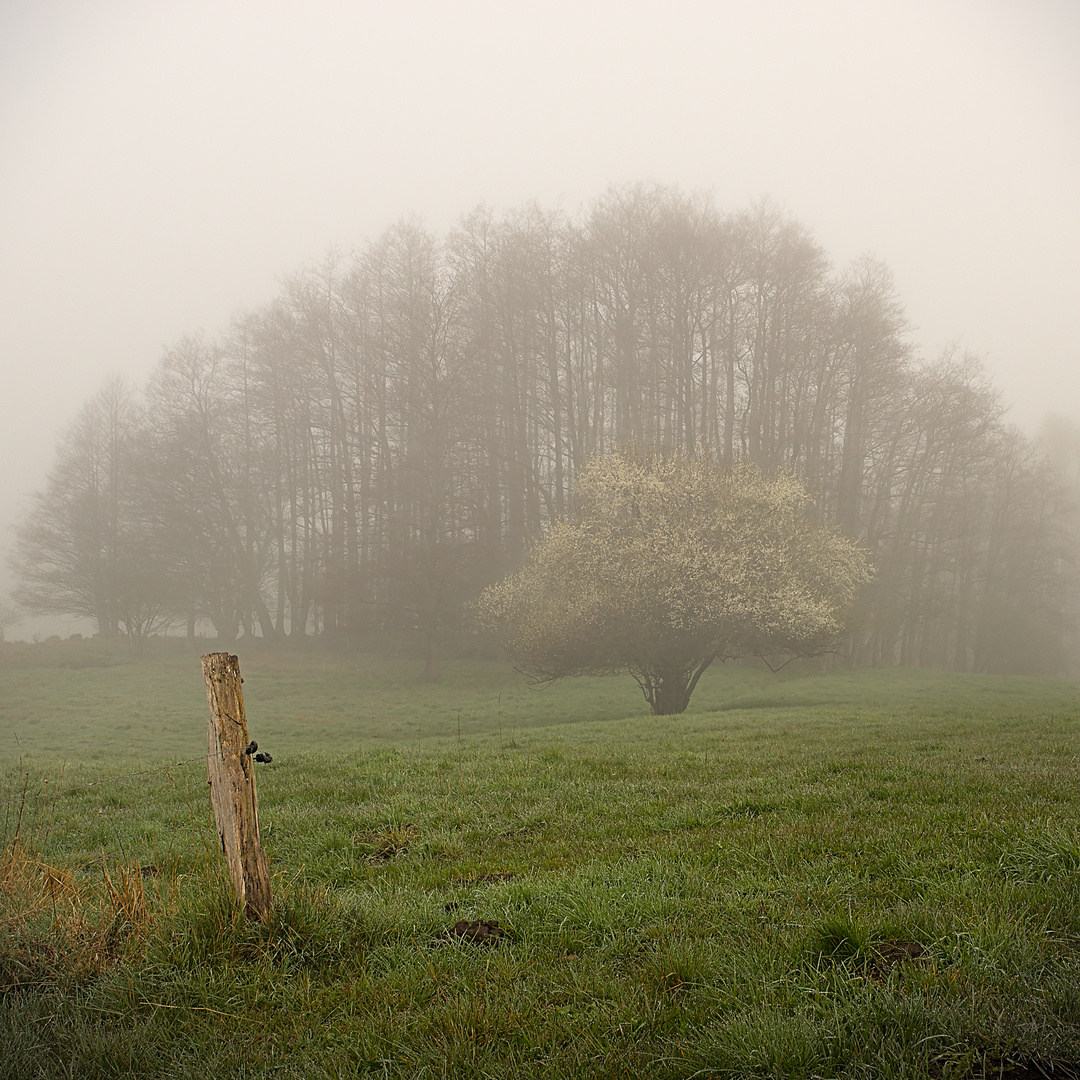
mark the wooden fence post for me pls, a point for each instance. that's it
(231, 773)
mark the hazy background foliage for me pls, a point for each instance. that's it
(363, 454)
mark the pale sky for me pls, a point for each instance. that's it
(164, 164)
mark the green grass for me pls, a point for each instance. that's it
(86, 702)
(91, 704)
(865, 874)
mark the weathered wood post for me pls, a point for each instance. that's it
(231, 773)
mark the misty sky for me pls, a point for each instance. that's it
(164, 164)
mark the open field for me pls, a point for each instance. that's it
(87, 704)
(866, 874)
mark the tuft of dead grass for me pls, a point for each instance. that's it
(56, 925)
(389, 843)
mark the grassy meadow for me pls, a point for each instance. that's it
(867, 874)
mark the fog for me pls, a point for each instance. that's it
(163, 166)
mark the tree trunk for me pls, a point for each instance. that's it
(668, 691)
(671, 695)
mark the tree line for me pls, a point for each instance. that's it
(366, 452)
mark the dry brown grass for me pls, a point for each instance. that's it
(56, 924)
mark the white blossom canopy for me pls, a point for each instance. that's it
(669, 563)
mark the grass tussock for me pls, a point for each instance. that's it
(56, 927)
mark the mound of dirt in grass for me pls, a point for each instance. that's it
(475, 932)
(891, 953)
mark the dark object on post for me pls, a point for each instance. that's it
(251, 746)
(232, 785)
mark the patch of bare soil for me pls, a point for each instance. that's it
(892, 953)
(475, 932)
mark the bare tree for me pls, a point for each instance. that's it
(89, 545)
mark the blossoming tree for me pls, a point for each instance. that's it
(669, 563)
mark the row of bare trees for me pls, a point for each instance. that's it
(367, 451)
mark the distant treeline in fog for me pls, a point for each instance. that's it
(364, 453)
